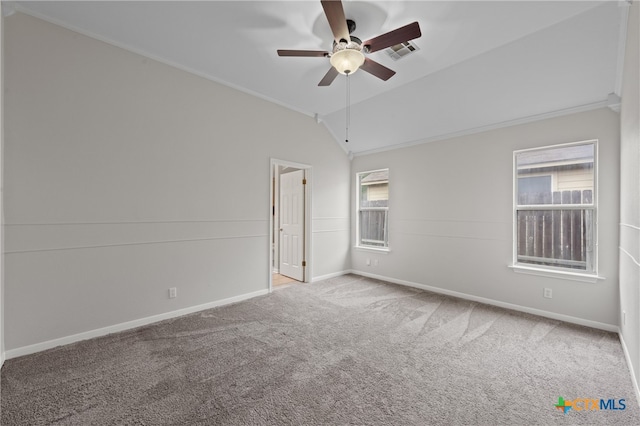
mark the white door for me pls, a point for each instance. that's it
(292, 224)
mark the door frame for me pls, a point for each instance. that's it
(274, 202)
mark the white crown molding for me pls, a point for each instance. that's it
(614, 102)
(18, 7)
(11, 7)
(475, 130)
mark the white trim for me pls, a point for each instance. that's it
(8, 8)
(156, 58)
(505, 305)
(129, 222)
(552, 207)
(26, 350)
(328, 276)
(357, 211)
(315, 116)
(308, 219)
(480, 129)
(627, 358)
(560, 145)
(136, 243)
(287, 163)
(590, 276)
(556, 273)
(382, 250)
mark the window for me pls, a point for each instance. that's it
(373, 209)
(533, 184)
(555, 207)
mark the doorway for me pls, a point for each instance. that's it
(290, 212)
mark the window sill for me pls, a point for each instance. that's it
(565, 275)
(384, 250)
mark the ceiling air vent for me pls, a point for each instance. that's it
(401, 50)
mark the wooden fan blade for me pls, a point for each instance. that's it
(377, 69)
(329, 77)
(338, 23)
(306, 53)
(397, 36)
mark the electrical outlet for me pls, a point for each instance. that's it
(173, 292)
(548, 293)
(375, 262)
(624, 318)
(368, 261)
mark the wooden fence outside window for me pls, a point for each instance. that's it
(555, 229)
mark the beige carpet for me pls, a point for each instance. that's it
(348, 350)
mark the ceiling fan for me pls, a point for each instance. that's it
(348, 51)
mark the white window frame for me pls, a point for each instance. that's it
(591, 272)
(358, 244)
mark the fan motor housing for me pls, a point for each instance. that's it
(351, 25)
(354, 40)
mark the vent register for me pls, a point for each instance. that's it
(401, 50)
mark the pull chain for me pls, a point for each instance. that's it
(348, 109)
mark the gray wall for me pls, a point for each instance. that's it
(630, 194)
(116, 165)
(450, 218)
(125, 177)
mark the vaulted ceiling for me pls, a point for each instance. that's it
(479, 65)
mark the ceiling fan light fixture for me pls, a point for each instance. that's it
(347, 60)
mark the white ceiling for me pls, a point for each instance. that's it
(480, 64)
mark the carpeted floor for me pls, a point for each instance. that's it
(348, 350)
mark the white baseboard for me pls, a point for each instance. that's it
(539, 312)
(26, 350)
(332, 275)
(627, 357)
(38, 347)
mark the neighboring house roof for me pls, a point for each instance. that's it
(578, 154)
(381, 176)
